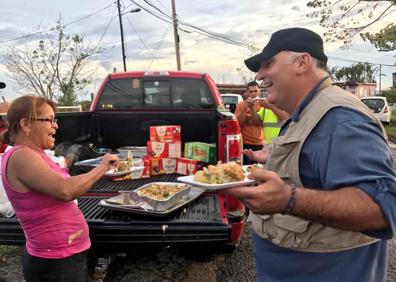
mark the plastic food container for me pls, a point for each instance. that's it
(137, 152)
(171, 200)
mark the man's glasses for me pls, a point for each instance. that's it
(53, 121)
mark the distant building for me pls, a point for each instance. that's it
(359, 89)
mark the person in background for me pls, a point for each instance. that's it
(249, 121)
(3, 125)
(42, 194)
(324, 206)
(272, 119)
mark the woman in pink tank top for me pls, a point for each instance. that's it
(42, 194)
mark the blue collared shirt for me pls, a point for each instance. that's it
(346, 148)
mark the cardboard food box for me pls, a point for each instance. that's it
(200, 151)
(163, 150)
(162, 165)
(187, 166)
(165, 133)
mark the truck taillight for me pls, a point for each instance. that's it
(230, 149)
(385, 109)
(234, 148)
(230, 140)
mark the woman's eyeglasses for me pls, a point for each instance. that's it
(53, 121)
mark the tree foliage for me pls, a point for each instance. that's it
(390, 95)
(360, 72)
(245, 74)
(54, 66)
(345, 19)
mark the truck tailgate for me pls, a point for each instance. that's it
(203, 220)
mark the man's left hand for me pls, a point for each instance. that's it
(270, 196)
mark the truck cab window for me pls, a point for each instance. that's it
(156, 94)
(121, 94)
(191, 93)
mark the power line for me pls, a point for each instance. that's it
(159, 45)
(72, 22)
(140, 38)
(109, 18)
(155, 7)
(354, 61)
(194, 28)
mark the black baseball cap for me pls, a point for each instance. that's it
(2, 85)
(290, 39)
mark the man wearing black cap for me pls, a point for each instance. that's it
(324, 208)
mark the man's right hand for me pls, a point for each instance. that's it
(260, 156)
(109, 161)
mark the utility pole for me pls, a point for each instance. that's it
(380, 74)
(122, 35)
(176, 35)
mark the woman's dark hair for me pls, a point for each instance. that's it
(24, 107)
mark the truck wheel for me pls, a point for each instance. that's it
(230, 247)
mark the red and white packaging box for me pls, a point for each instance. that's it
(161, 165)
(163, 150)
(165, 133)
(187, 166)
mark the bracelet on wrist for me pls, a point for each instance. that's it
(292, 199)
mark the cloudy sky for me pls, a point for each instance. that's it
(149, 41)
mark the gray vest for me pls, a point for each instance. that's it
(294, 232)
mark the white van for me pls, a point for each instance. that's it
(379, 106)
(231, 100)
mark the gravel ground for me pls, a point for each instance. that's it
(176, 264)
(153, 264)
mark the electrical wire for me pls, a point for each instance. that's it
(155, 7)
(72, 22)
(194, 28)
(140, 38)
(159, 45)
(354, 61)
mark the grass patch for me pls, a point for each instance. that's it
(391, 129)
(8, 251)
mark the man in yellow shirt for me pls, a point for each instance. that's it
(272, 119)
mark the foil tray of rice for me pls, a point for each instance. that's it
(163, 195)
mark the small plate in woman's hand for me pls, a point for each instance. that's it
(114, 172)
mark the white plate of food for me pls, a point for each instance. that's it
(219, 176)
(189, 179)
(115, 172)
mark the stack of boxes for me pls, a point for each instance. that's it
(164, 153)
(163, 149)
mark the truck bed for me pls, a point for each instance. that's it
(203, 220)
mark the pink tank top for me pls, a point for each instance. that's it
(53, 229)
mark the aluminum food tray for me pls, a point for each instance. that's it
(162, 205)
(137, 152)
(195, 192)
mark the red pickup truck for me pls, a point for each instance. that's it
(124, 108)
